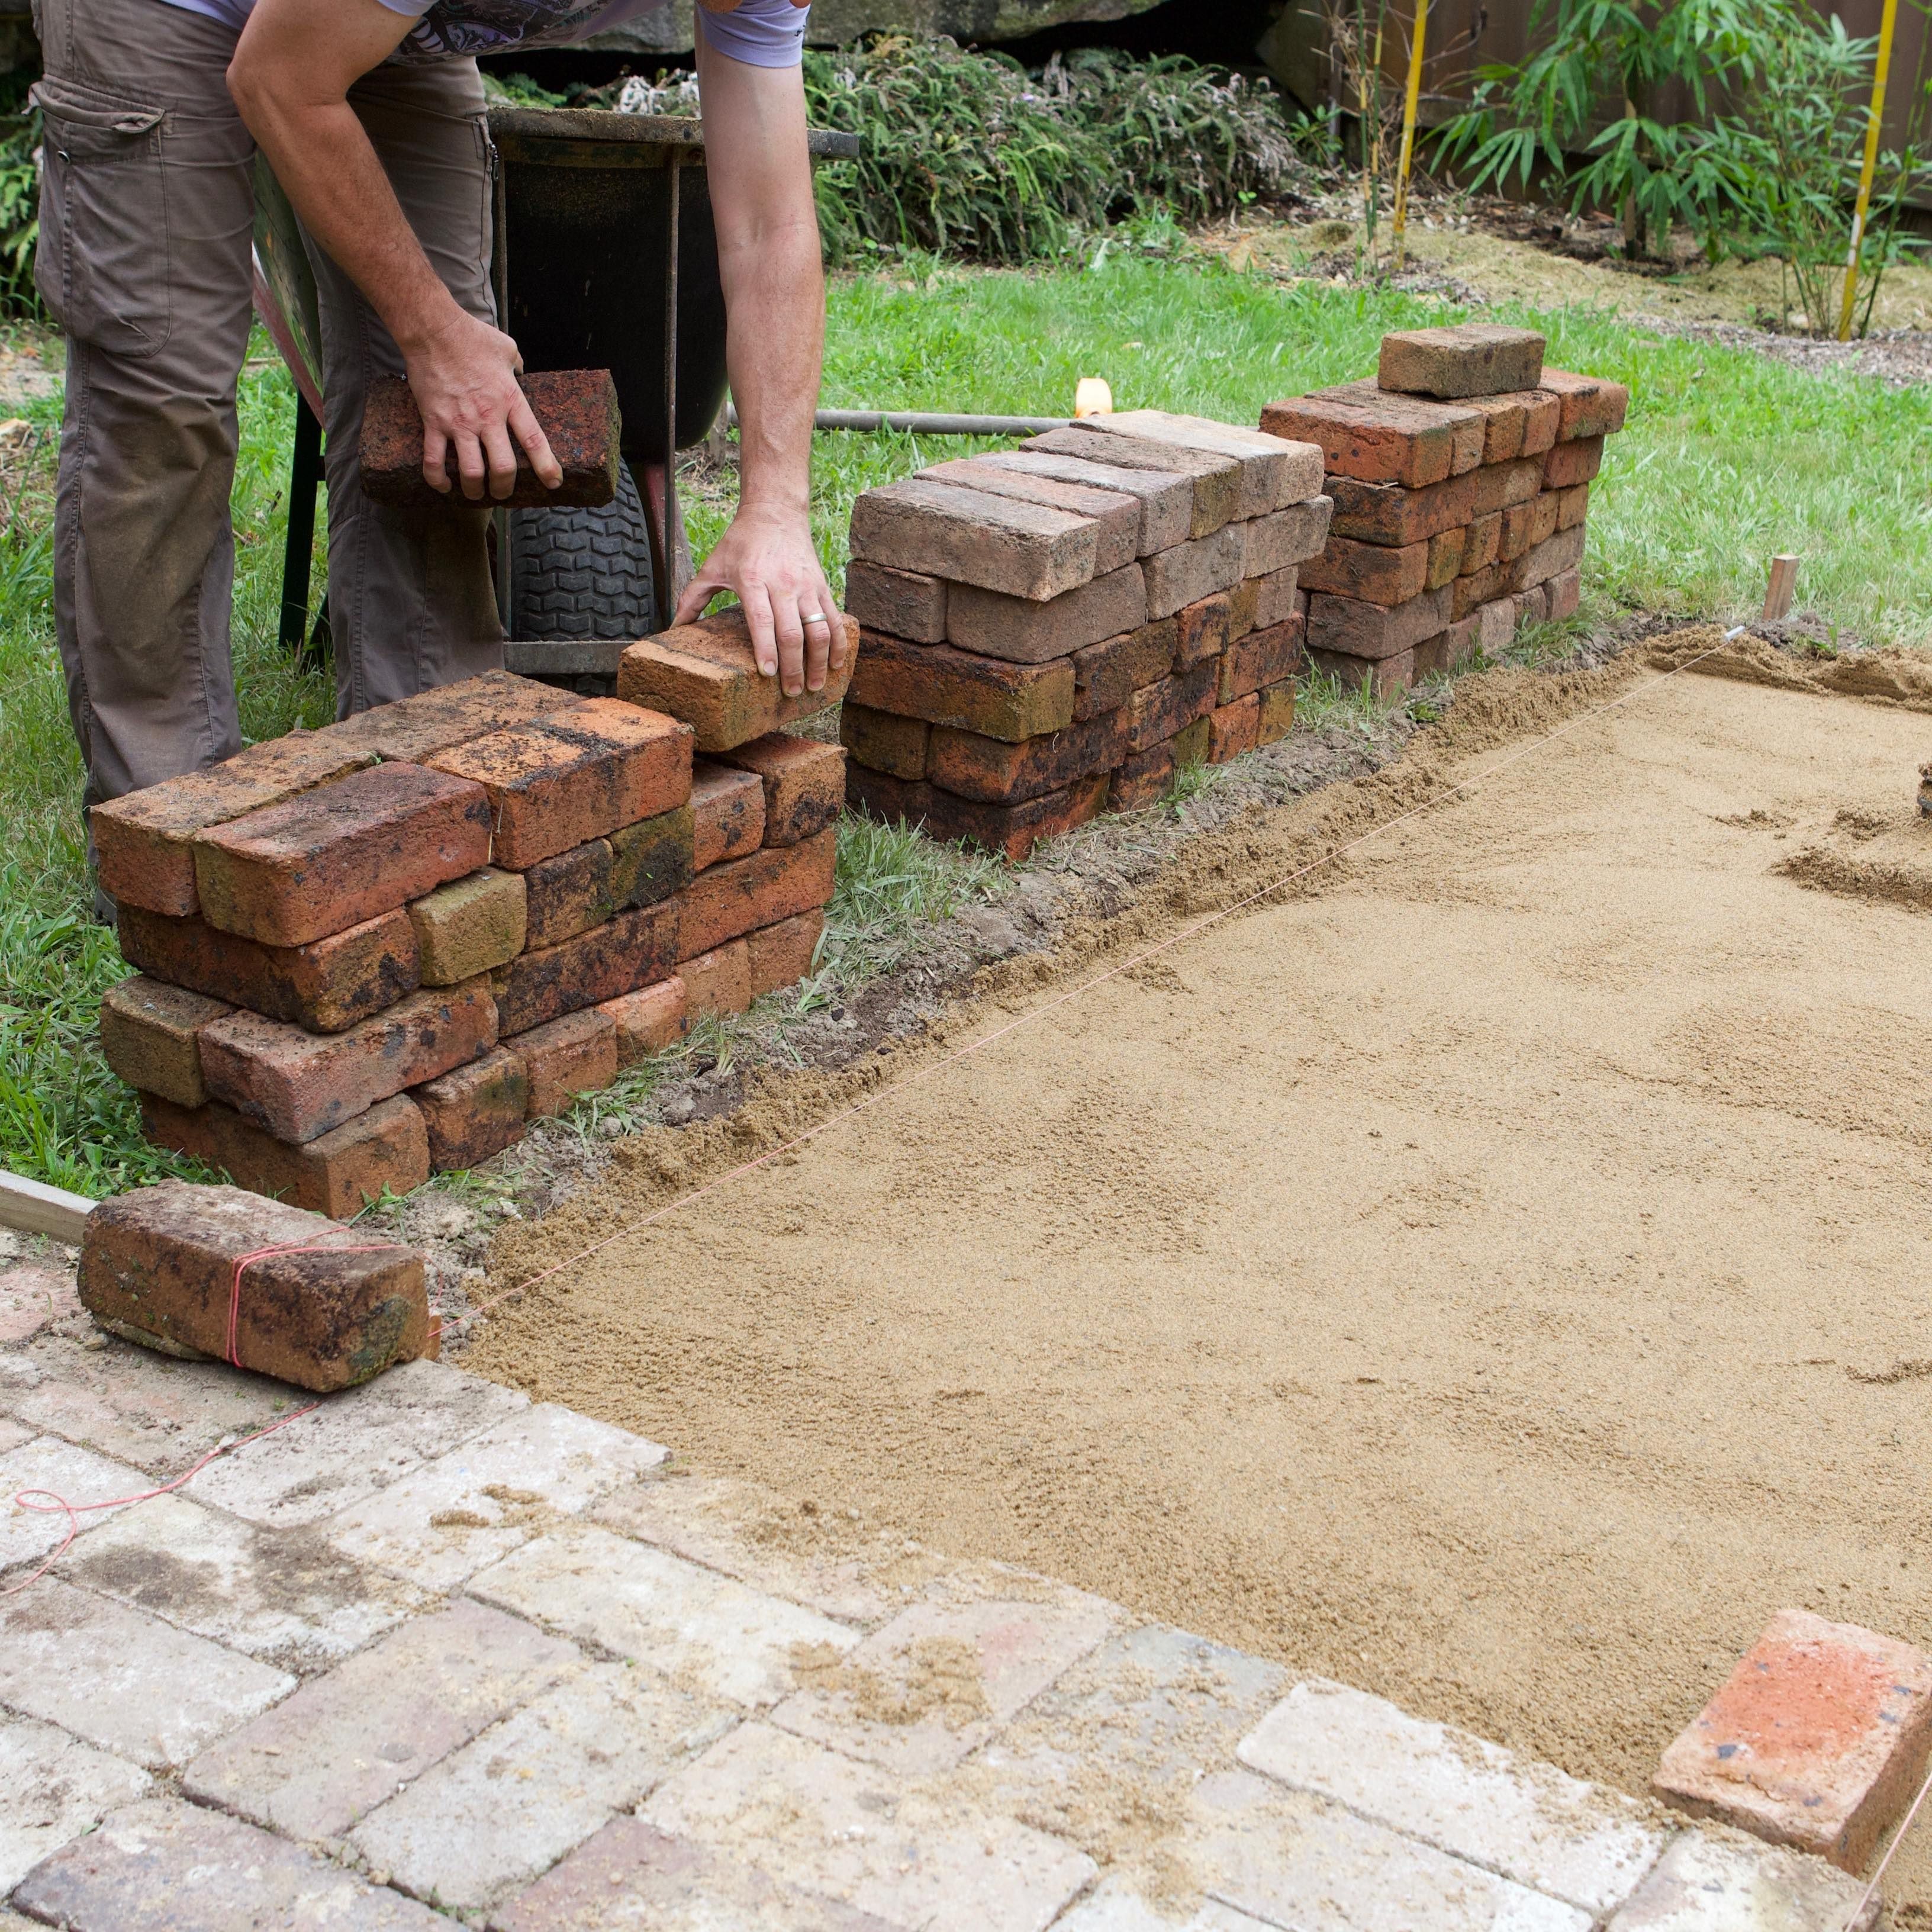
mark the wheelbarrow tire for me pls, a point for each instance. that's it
(577, 573)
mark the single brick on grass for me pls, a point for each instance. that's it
(414, 729)
(945, 686)
(1190, 572)
(1276, 470)
(781, 955)
(144, 842)
(1362, 630)
(576, 408)
(1471, 359)
(1012, 830)
(1214, 480)
(338, 1174)
(631, 949)
(804, 784)
(1165, 501)
(329, 859)
(474, 1111)
(996, 773)
(1376, 438)
(1502, 484)
(900, 602)
(1378, 573)
(706, 675)
(1570, 464)
(966, 536)
(1384, 677)
(1022, 631)
(718, 982)
(160, 1263)
(886, 742)
(1107, 674)
(148, 1034)
(727, 813)
(1590, 406)
(1201, 631)
(1116, 519)
(326, 985)
(649, 1020)
(565, 1058)
(1158, 711)
(297, 1085)
(566, 895)
(653, 858)
(469, 926)
(1386, 513)
(736, 897)
(1233, 729)
(1277, 714)
(1286, 538)
(1263, 657)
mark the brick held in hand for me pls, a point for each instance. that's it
(649, 1019)
(474, 1111)
(782, 955)
(471, 925)
(1387, 513)
(706, 675)
(1233, 728)
(1376, 438)
(728, 808)
(414, 729)
(996, 773)
(1470, 358)
(566, 1058)
(1214, 481)
(329, 859)
(160, 1263)
(149, 1035)
(902, 601)
(1261, 658)
(1570, 464)
(631, 950)
(717, 983)
(1378, 573)
(1011, 830)
(1023, 631)
(966, 536)
(804, 784)
(1157, 711)
(1350, 626)
(1591, 407)
(144, 842)
(734, 898)
(1276, 470)
(576, 408)
(1166, 500)
(883, 741)
(1116, 518)
(945, 686)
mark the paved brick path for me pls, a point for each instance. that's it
(435, 1652)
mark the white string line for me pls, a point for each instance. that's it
(1898, 1839)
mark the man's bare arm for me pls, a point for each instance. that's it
(290, 77)
(760, 174)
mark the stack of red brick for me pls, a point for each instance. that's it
(372, 951)
(1461, 479)
(1051, 629)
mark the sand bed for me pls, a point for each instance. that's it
(1496, 1276)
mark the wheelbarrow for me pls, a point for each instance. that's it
(605, 257)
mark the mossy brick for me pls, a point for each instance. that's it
(1108, 673)
(1469, 358)
(144, 842)
(1379, 573)
(576, 408)
(298, 1086)
(1156, 712)
(1469, 594)
(1024, 632)
(1276, 598)
(160, 1262)
(567, 894)
(474, 1111)
(1232, 728)
(996, 773)
(414, 729)
(804, 784)
(1277, 714)
(728, 808)
(339, 1173)
(1588, 405)
(566, 1058)
(149, 1036)
(1572, 506)
(706, 675)
(1387, 513)
(1383, 677)
(649, 1020)
(1215, 481)
(1164, 501)
(1116, 519)
(742, 894)
(1276, 470)
(1200, 631)
(902, 601)
(1500, 484)
(1244, 603)
(966, 536)
(1373, 437)
(718, 982)
(1550, 558)
(782, 954)
(1570, 464)
(331, 858)
(1357, 628)
(1482, 540)
(326, 985)
(947, 686)
(1262, 658)
(559, 783)
(1011, 830)
(1190, 572)
(630, 949)
(886, 742)
(1445, 558)
(471, 925)
(1142, 778)
(1566, 593)
(652, 859)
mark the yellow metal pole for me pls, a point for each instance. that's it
(1887, 24)
(1401, 221)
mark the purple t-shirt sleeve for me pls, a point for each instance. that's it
(762, 33)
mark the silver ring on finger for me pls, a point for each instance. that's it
(817, 617)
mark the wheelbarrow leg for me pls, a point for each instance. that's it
(304, 473)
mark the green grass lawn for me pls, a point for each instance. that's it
(1728, 459)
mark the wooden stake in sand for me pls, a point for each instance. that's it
(1778, 592)
(1399, 225)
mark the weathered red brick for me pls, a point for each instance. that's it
(1470, 358)
(469, 926)
(1500, 484)
(565, 895)
(1350, 626)
(1550, 558)
(1023, 631)
(1011, 830)
(885, 743)
(1495, 625)
(728, 808)
(1378, 573)
(149, 1036)
(1276, 599)
(1526, 525)
(945, 686)
(967, 536)
(1214, 479)
(1164, 503)
(1277, 718)
(1142, 778)
(1448, 650)
(329, 859)
(1157, 711)
(1116, 519)
(1591, 407)
(338, 1174)
(900, 601)
(1277, 470)
(1107, 674)
(736, 897)
(781, 955)
(160, 1263)
(636, 865)
(653, 858)
(1445, 558)
(1201, 630)
(566, 1058)
(474, 1111)
(706, 675)
(1244, 601)
(1287, 538)
(1523, 423)
(1572, 506)
(1468, 594)
(630, 950)
(576, 408)
(299, 1085)
(718, 982)
(326, 985)
(1481, 541)
(144, 841)
(804, 784)
(1818, 1739)
(1570, 463)
(1263, 657)
(649, 1020)
(1384, 676)
(1374, 437)
(1386, 513)
(416, 728)
(1565, 592)
(1192, 571)
(997, 772)
(1532, 606)
(1232, 729)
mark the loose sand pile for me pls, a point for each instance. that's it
(1494, 1275)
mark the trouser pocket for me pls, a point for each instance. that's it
(101, 264)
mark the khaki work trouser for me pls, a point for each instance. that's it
(147, 208)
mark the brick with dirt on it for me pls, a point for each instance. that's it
(1116, 518)
(567, 894)
(330, 858)
(1522, 423)
(727, 813)
(469, 926)
(902, 601)
(1277, 470)
(1142, 778)
(1378, 573)
(736, 897)
(1192, 571)
(783, 954)
(804, 784)
(1244, 603)
(1469, 359)
(653, 858)
(566, 1058)
(576, 408)
(1389, 513)
(1590, 405)
(150, 1036)
(1570, 464)
(1011, 830)
(1157, 711)
(1233, 729)
(1262, 658)
(414, 729)
(1373, 437)
(1277, 713)
(649, 1019)
(158, 1265)
(474, 1111)
(630, 949)
(1108, 673)
(996, 773)
(717, 983)
(945, 686)
(966, 536)
(1201, 630)
(1349, 626)
(1165, 502)
(1023, 630)
(1276, 597)
(1214, 480)
(885, 743)
(1381, 677)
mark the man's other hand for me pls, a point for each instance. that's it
(464, 374)
(769, 561)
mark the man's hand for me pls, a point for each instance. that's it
(464, 376)
(789, 607)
